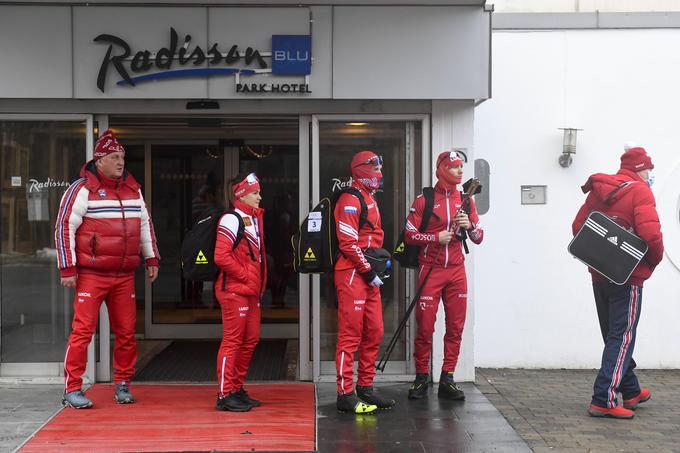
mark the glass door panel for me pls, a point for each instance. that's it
(39, 160)
(398, 142)
(186, 180)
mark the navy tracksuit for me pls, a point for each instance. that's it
(618, 309)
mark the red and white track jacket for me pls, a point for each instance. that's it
(244, 275)
(632, 207)
(352, 241)
(446, 204)
(103, 225)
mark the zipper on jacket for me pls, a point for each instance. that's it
(448, 228)
(125, 238)
(93, 247)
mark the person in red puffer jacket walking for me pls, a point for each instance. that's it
(239, 287)
(618, 306)
(101, 228)
(442, 251)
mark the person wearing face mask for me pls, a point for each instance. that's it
(441, 250)
(239, 255)
(360, 324)
(618, 306)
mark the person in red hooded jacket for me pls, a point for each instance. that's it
(239, 287)
(101, 228)
(618, 306)
(441, 250)
(360, 323)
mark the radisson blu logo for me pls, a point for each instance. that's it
(290, 55)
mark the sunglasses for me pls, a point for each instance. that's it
(375, 160)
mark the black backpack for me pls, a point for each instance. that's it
(198, 247)
(407, 254)
(315, 245)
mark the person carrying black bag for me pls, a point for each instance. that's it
(618, 306)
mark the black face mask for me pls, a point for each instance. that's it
(380, 261)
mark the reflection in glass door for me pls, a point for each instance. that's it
(399, 142)
(39, 159)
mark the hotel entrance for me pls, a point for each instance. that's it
(185, 166)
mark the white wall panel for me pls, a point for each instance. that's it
(534, 303)
(35, 50)
(410, 53)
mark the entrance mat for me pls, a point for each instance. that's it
(196, 361)
(183, 418)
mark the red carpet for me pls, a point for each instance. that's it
(183, 418)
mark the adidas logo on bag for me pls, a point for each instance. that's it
(614, 240)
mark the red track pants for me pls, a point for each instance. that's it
(451, 285)
(240, 335)
(360, 327)
(119, 294)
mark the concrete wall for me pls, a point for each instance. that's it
(534, 304)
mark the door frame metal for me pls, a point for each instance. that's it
(395, 371)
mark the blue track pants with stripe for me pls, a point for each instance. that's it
(618, 309)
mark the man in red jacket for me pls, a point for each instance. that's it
(618, 307)
(441, 250)
(360, 324)
(102, 227)
(239, 254)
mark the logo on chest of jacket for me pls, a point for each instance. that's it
(102, 193)
(247, 222)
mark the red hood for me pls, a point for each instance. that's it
(602, 184)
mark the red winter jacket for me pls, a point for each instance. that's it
(446, 204)
(631, 207)
(103, 225)
(241, 274)
(353, 241)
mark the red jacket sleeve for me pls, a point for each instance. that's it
(415, 217)
(581, 216)
(476, 233)
(225, 258)
(646, 224)
(347, 210)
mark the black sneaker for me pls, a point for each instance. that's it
(231, 403)
(419, 388)
(369, 395)
(350, 402)
(243, 396)
(448, 388)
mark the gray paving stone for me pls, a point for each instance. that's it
(548, 409)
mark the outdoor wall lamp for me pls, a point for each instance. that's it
(568, 146)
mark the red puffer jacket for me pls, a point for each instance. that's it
(446, 204)
(631, 207)
(242, 273)
(103, 225)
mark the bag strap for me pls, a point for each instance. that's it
(363, 215)
(428, 193)
(611, 194)
(240, 233)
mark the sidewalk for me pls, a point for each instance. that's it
(548, 408)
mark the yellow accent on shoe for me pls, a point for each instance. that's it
(363, 408)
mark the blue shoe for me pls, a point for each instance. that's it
(122, 394)
(76, 399)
